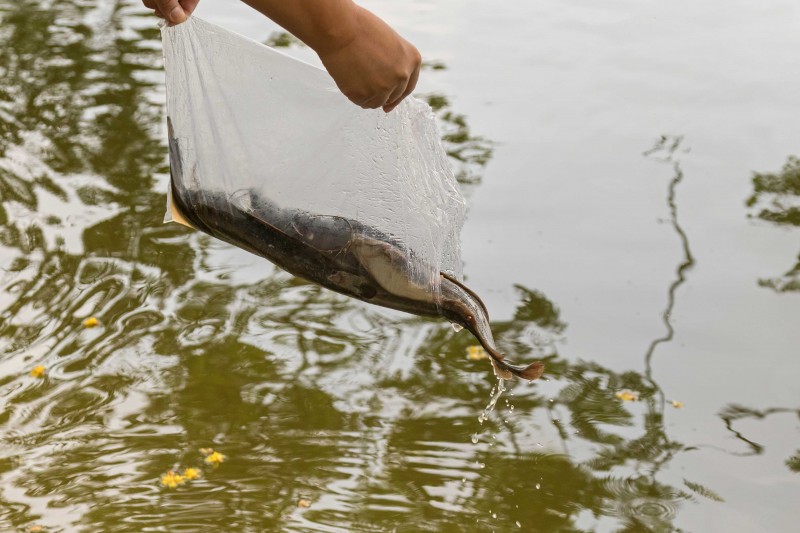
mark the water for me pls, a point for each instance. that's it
(608, 154)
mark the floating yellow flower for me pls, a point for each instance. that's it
(38, 371)
(214, 458)
(91, 322)
(172, 480)
(476, 353)
(191, 473)
(304, 503)
(676, 404)
(626, 396)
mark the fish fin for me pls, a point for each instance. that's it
(500, 372)
(505, 370)
(531, 372)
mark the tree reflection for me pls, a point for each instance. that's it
(775, 199)
(370, 415)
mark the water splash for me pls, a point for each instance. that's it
(496, 393)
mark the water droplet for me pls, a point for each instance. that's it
(518, 524)
(494, 515)
(456, 327)
(475, 438)
(480, 465)
(538, 486)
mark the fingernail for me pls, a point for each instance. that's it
(176, 15)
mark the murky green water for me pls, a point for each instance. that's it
(617, 230)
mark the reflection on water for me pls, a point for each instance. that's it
(283, 39)
(776, 198)
(372, 418)
(468, 153)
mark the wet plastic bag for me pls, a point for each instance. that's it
(265, 153)
(263, 143)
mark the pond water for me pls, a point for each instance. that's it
(634, 222)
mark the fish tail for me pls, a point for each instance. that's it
(506, 370)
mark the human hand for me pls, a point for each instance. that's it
(376, 67)
(173, 11)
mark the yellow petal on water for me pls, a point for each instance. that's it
(476, 353)
(676, 404)
(304, 503)
(38, 371)
(191, 473)
(206, 451)
(172, 480)
(626, 396)
(91, 322)
(215, 458)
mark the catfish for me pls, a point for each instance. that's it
(341, 254)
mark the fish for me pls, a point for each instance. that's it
(341, 254)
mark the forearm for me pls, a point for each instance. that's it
(371, 64)
(324, 25)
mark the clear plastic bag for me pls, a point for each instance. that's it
(267, 154)
(255, 131)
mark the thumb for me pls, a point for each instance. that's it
(172, 10)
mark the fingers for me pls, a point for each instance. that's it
(374, 102)
(172, 9)
(396, 95)
(189, 5)
(152, 5)
(390, 99)
(412, 83)
(175, 11)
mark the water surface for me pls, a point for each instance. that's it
(633, 222)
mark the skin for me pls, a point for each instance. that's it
(371, 64)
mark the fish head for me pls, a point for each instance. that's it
(325, 233)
